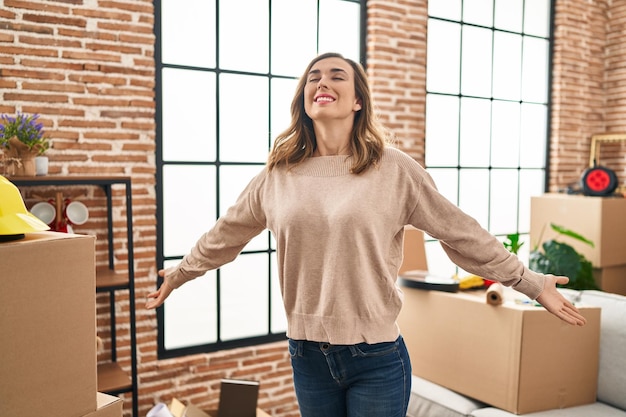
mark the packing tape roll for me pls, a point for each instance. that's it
(494, 294)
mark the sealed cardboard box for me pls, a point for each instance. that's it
(516, 357)
(599, 219)
(108, 406)
(178, 409)
(611, 278)
(48, 323)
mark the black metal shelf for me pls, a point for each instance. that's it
(111, 379)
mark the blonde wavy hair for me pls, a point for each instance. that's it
(298, 142)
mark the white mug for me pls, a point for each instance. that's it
(76, 212)
(44, 211)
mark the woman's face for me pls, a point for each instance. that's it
(329, 92)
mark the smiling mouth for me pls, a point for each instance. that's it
(324, 99)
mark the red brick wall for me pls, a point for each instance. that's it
(396, 59)
(589, 87)
(615, 88)
(87, 68)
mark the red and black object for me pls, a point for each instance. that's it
(598, 181)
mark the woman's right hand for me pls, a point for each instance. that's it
(158, 297)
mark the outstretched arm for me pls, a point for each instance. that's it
(557, 304)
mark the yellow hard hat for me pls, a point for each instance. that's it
(15, 220)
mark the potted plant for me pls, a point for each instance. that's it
(559, 258)
(41, 160)
(22, 138)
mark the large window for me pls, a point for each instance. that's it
(226, 74)
(488, 66)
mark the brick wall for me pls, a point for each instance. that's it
(396, 59)
(589, 87)
(86, 66)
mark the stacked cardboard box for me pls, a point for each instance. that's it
(599, 219)
(47, 314)
(107, 406)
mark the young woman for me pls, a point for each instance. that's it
(337, 197)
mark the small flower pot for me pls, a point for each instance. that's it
(41, 165)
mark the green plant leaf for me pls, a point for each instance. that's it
(564, 260)
(538, 262)
(512, 243)
(584, 280)
(563, 231)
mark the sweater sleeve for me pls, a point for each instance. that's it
(467, 243)
(226, 239)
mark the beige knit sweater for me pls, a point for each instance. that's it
(339, 243)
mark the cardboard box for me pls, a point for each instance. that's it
(259, 413)
(48, 323)
(516, 357)
(413, 251)
(599, 219)
(108, 406)
(611, 278)
(178, 409)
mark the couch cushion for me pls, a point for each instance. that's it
(429, 399)
(588, 410)
(612, 369)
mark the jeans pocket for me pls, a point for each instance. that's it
(295, 348)
(377, 349)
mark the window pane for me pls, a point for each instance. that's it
(244, 113)
(535, 70)
(340, 23)
(505, 134)
(446, 9)
(442, 130)
(184, 23)
(188, 206)
(475, 131)
(533, 133)
(531, 185)
(282, 92)
(188, 115)
(479, 12)
(503, 217)
(476, 62)
(509, 15)
(221, 129)
(506, 131)
(537, 17)
(190, 315)
(447, 181)
(233, 180)
(474, 194)
(507, 66)
(294, 41)
(244, 297)
(443, 57)
(244, 37)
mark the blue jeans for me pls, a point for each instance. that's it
(351, 380)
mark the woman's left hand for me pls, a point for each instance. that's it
(557, 304)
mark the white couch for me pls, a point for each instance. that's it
(432, 400)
